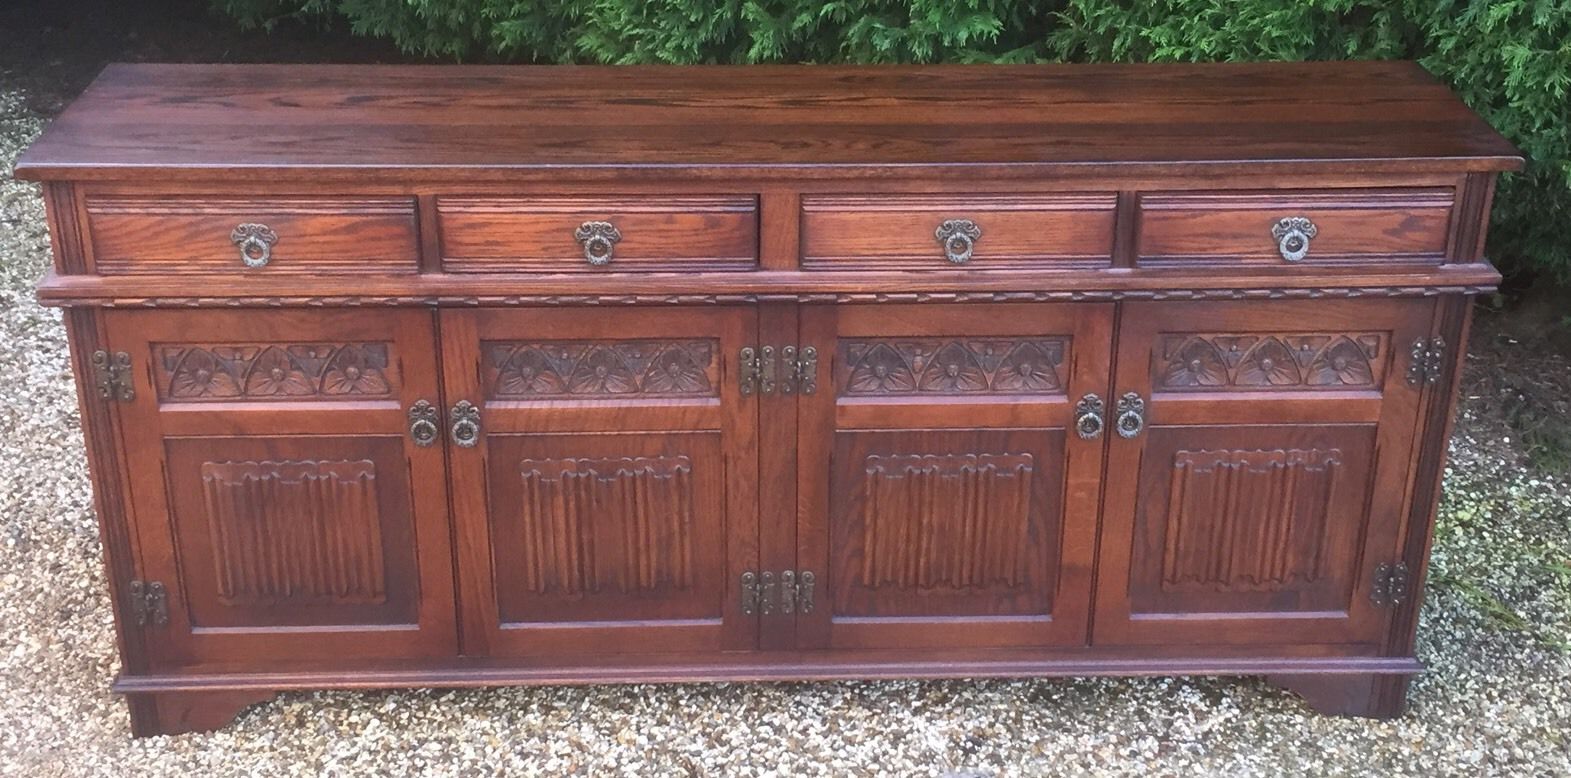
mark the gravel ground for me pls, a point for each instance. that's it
(1496, 634)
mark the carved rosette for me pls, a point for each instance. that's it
(891, 366)
(1320, 360)
(272, 371)
(590, 368)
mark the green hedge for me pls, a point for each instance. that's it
(1510, 60)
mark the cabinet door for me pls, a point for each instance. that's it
(607, 504)
(275, 488)
(1270, 475)
(946, 499)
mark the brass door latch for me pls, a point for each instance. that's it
(149, 603)
(112, 376)
(765, 593)
(1428, 358)
(788, 369)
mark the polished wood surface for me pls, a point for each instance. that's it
(425, 122)
(785, 430)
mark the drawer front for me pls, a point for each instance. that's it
(290, 235)
(598, 234)
(1281, 229)
(949, 232)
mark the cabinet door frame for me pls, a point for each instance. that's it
(148, 423)
(727, 414)
(1090, 327)
(1391, 409)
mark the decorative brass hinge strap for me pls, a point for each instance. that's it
(765, 593)
(758, 593)
(1427, 361)
(112, 376)
(149, 603)
(1392, 585)
(805, 370)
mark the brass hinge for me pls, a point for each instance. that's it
(149, 603)
(763, 593)
(112, 376)
(747, 370)
(796, 591)
(801, 369)
(756, 370)
(758, 593)
(1427, 362)
(764, 369)
(1392, 585)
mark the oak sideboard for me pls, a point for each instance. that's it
(468, 376)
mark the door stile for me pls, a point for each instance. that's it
(466, 475)
(815, 416)
(777, 472)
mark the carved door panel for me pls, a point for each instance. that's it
(1266, 478)
(275, 489)
(608, 502)
(946, 499)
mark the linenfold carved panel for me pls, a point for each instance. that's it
(296, 531)
(895, 366)
(1248, 520)
(273, 371)
(960, 521)
(1256, 362)
(546, 369)
(592, 525)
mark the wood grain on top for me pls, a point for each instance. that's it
(431, 122)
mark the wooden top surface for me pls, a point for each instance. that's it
(371, 122)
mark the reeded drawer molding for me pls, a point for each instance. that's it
(175, 235)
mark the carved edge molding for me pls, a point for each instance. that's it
(733, 299)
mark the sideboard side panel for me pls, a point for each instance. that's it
(1453, 323)
(106, 468)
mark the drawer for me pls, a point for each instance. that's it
(949, 232)
(281, 234)
(1272, 229)
(598, 234)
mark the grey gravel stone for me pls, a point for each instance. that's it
(1496, 699)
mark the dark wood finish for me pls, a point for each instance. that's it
(179, 713)
(614, 479)
(182, 235)
(378, 123)
(536, 234)
(945, 499)
(1373, 696)
(1267, 483)
(265, 456)
(898, 233)
(275, 490)
(1232, 229)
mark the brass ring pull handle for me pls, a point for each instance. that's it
(422, 424)
(1088, 417)
(599, 240)
(466, 424)
(255, 242)
(958, 237)
(1293, 234)
(1131, 415)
